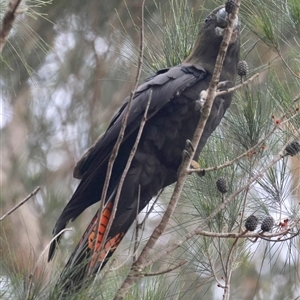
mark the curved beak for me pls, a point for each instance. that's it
(222, 18)
(222, 21)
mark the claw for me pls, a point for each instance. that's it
(189, 146)
(185, 154)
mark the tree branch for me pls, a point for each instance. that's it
(252, 149)
(220, 93)
(20, 204)
(165, 271)
(31, 276)
(230, 162)
(140, 264)
(8, 21)
(118, 193)
(221, 207)
(118, 144)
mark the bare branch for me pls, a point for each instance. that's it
(20, 204)
(118, 144)
(220, 93)
(137, 227)
(231, 162)
(132, 153)
(251, 150)
(165, 271)
(213, 268)
(221, 207)
(150, 210)
(38, 260)
(8, 21)
(286, 64)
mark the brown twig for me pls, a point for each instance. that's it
(118, 193)
(143, 223)
(229, 262)
(221, 207)
(286, 64)
(118, 144)
(212, 267)
(220, 93)
(251, 150)
(140, 263)
(8, 21)
(31, 276)
(20, 204)
(137, 226)
(228, 269)
(230, 162)
(165, 271)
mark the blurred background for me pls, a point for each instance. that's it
(66, 69)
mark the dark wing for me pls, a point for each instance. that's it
(93, 166)
(164, 85)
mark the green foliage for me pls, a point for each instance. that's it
(24, 40)
(179, 28)
(77, 66)
(169, 38)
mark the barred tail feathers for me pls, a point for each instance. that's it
(90, 254)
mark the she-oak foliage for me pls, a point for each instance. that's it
(270, 44)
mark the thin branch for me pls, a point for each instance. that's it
(119, 141)
(215, 212)
(140, 263)
(8, 21)
(226, 293)
(143, 223)
(245, 234)
(140, 226)
(220, 93)
(231, 162)
(20, 204)
(137, 227)
(286, 64)
(229, 262)
(165, 271)
(218, 249)
(38, 260)
(296, 98)
(213, 267)
(248, 152)
(279, 239)
(131, 156)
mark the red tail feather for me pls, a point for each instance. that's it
(100, 251)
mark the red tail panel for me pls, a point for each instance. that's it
(110, 245)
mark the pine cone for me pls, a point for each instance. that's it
(230, 6)
(292, 148)
(251, 223)
(267, 224)
(222, 185)
(242, 68)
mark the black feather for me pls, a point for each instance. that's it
(171, 120)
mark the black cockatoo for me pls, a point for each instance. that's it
(172, 118)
